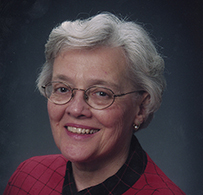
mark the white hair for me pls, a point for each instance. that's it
(144, 62)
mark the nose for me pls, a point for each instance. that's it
(77, 107)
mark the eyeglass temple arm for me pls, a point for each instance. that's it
(119, 95)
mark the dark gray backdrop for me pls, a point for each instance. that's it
(173, 139)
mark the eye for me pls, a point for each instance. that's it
(100, 93)
(61, 88)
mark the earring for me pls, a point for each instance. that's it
(136, 127)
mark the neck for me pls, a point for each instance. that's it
(91, 174)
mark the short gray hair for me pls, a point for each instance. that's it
(145, 64)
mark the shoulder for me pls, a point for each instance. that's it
(39, 165)
(39, 174)
(154, 181)
(53, 161)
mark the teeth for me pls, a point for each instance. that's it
(87, 131)
(81, 131)
(91, 131)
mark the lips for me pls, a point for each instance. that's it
(81, 130)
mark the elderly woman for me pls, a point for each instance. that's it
(104, 80)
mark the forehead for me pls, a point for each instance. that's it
(103, 64)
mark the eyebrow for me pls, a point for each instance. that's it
(92, 82)
(61, 77)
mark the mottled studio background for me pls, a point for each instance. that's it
(174, 139)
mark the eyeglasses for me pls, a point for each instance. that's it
(96, 97)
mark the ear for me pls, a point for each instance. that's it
(142, 114)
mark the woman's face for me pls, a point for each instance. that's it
(112, 126)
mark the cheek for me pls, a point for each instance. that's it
(111, 120)
(55, 112)
(116, 118)
(122, 116)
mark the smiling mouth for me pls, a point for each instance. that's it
(81, 130)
